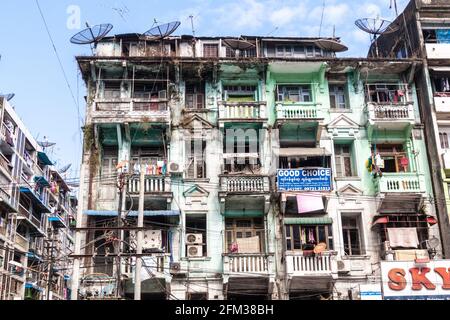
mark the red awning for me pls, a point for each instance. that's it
(431, 220)
(381, 220)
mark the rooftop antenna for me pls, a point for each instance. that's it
(65, 168)
(272, 32)
(8, 97)
(375, 27)
(321, 19)
(91, 35)
(192, 24)
(394, 2)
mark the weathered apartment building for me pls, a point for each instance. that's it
(274, 172)
(422, 32)
(37, 210)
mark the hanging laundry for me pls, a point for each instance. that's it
(303, 236)
(379, 162)
(311, 238)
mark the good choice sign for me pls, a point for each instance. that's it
(409, 281)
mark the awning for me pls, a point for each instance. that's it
(33, 286)
(309, 221)
(42, 208)
(57, 222)
(431, 220)
(42, 181)
(243, 213)
(378, 220)
(304, 152)
(308, 203)
(44, 159)
(159, 213)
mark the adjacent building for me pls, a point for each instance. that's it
(37, 211)
(274, 170)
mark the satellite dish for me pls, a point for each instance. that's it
(8, 96)
(238, 44)
(434, 242)
(162, 31)
(46, 144)
(65, 168)
(331, 45)
(91, 34)
(375, 27)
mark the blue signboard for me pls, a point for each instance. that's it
(311, 179)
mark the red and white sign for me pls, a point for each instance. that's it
(411, 280)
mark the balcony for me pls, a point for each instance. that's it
(130, 110)
(242, 111)
(438, 50)
(256, 264)
(298, 111)
(154, 185)
(442, 105)
(31, 219)
(7, 140)
(22, 242)
(242, 184)
(399, 183)
(301, 265)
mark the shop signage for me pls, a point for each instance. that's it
(416, 281)
(311, 179)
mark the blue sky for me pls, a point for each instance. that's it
(30, 68)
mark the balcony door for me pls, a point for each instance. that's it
(394, 158)
(245, 235)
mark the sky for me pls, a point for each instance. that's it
(51, 108)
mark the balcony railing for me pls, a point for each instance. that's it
(400, 183)
(442, 103)
(306, 111)
(258, 263)
(438, 50)
(21, 241)
(131, 107)
(300, 264)
(244, 184)
(27, 214)
(153, 184)
(242, 110)
(390, 112)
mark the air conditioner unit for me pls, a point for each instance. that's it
(175, 267)
(194, 238)
(344, 266)
(175, 168)
(152, 239)
(195, 251)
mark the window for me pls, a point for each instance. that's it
(393, 158)
(111, 90)
(407, 220)
(242, 229)
(196, 165)
(442, 85)
(195, 95)
(304, 162)
(343, 160)
(230, 53)
(306, 237)
(239, 93)
(351, 227)
(196, 225)
(443, 136)
(287, 93)
(387, 93)
(197, 295)
(109, 163)
(211, 50)
(337, 97)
